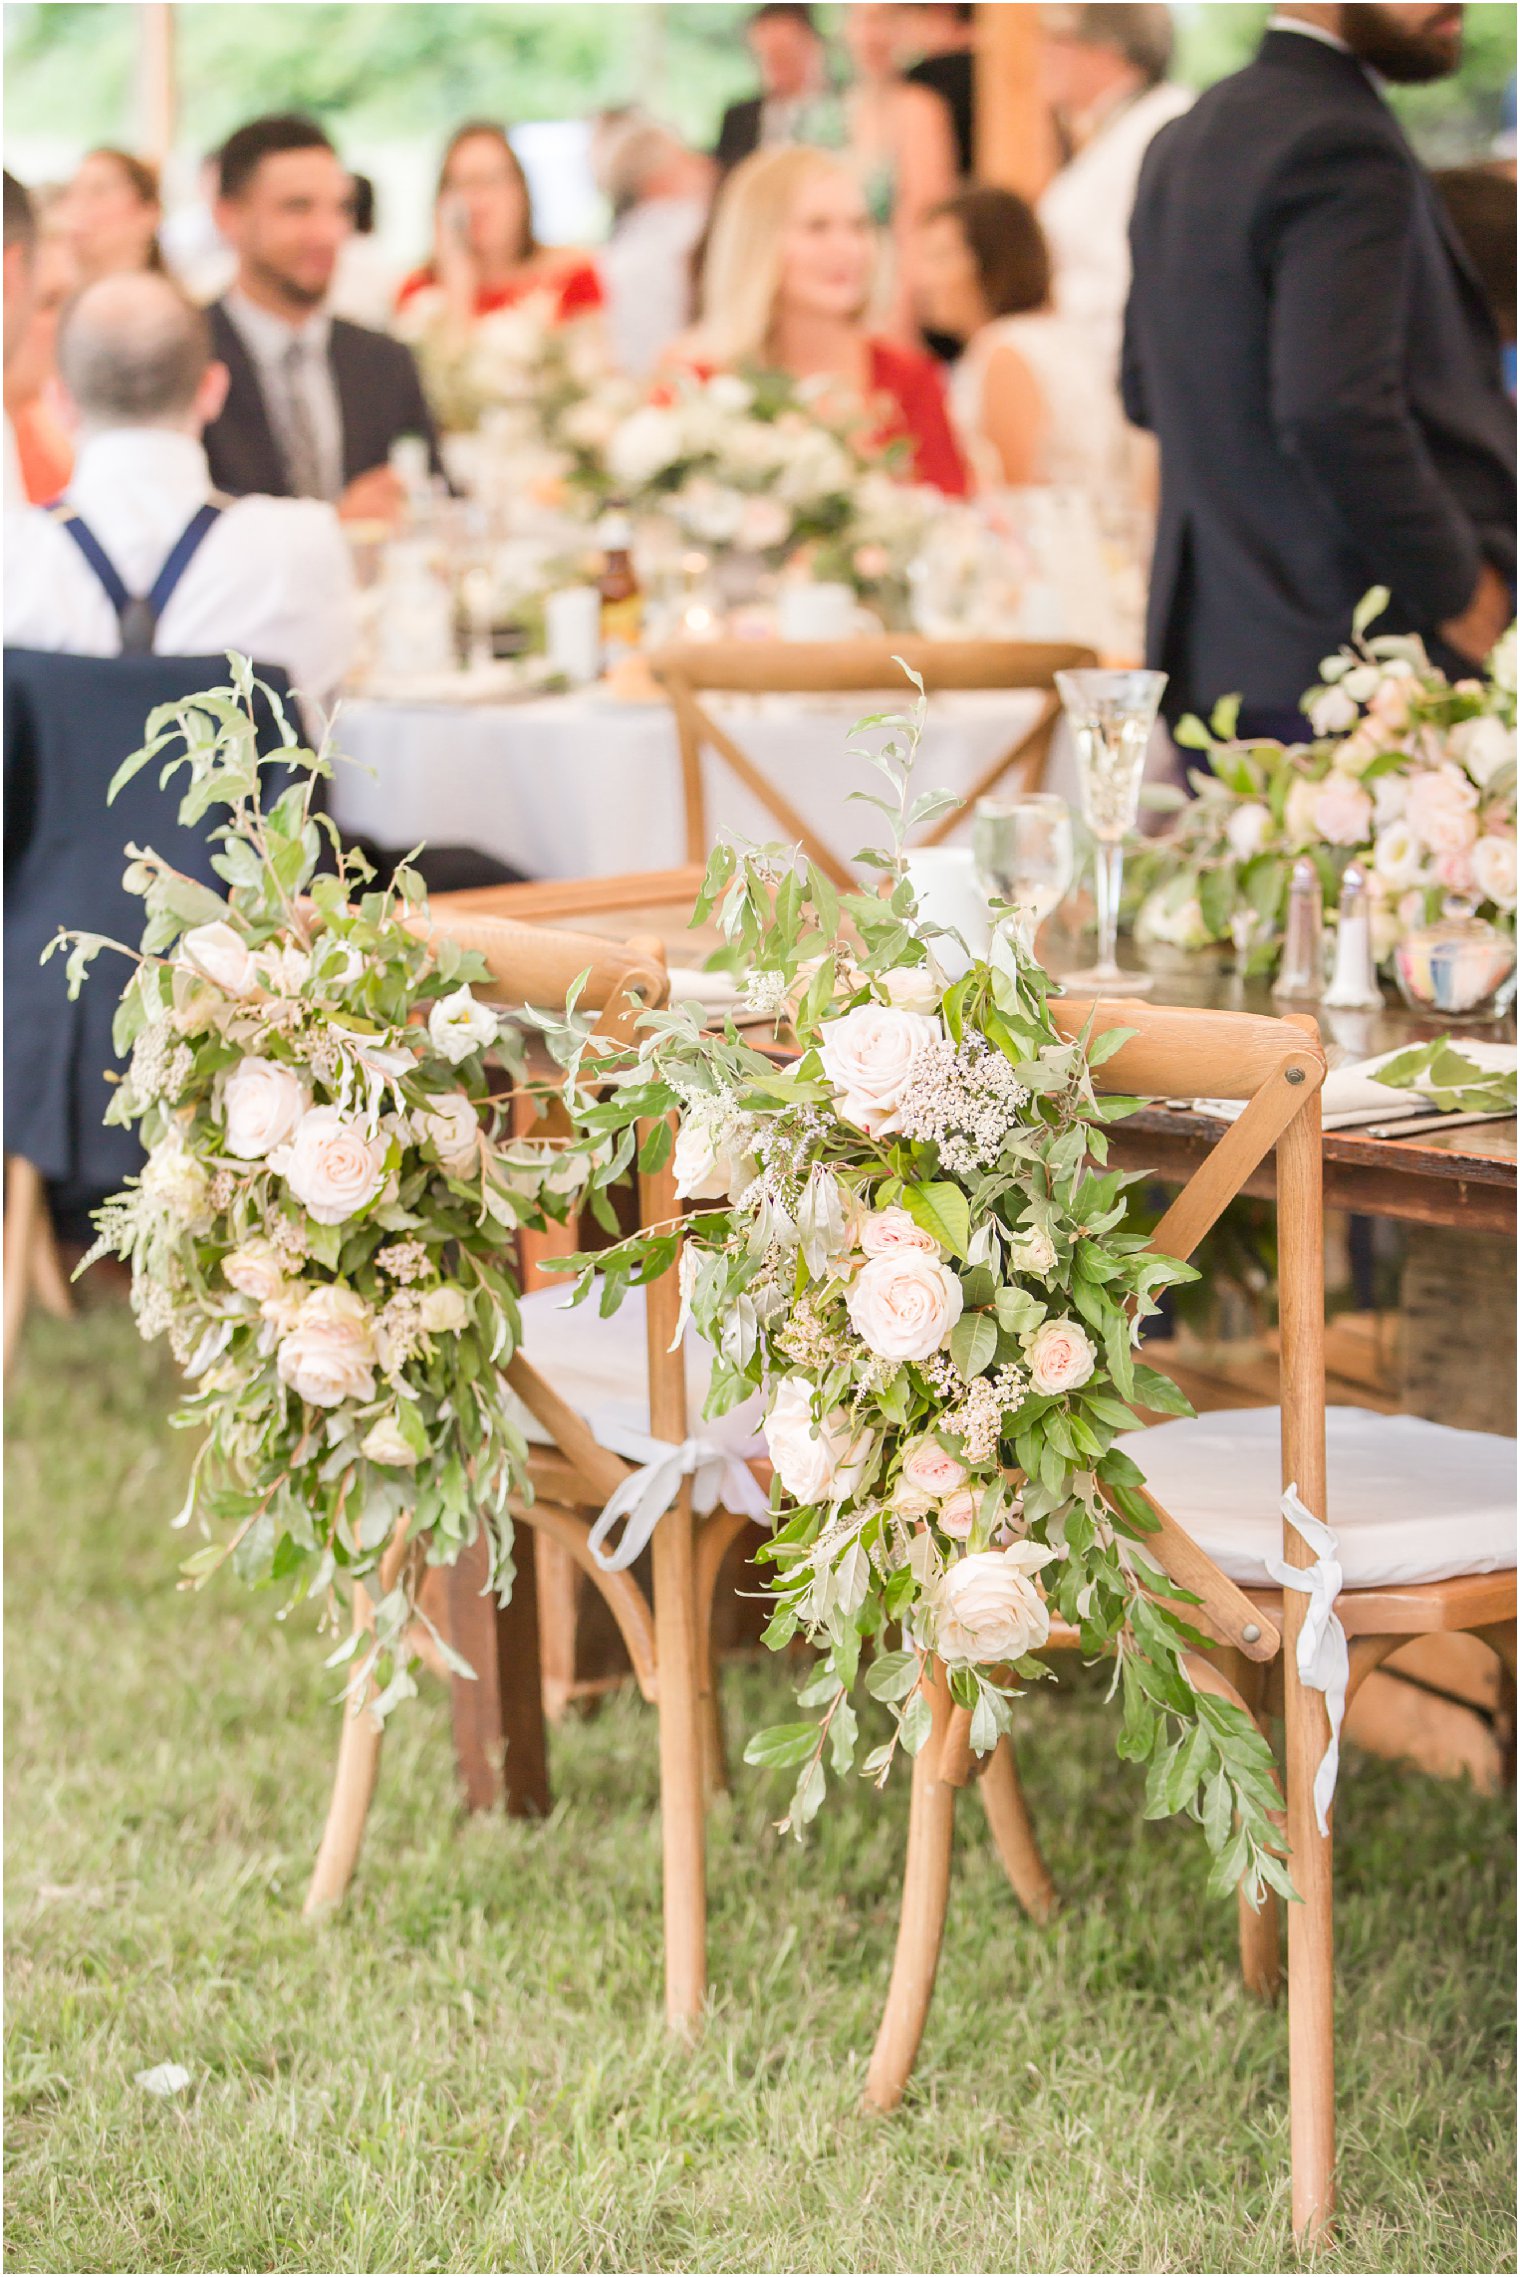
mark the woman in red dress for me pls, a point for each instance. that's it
(486, 256)
(790, 264)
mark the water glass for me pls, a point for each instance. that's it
(1024, 855)
(1111, 716)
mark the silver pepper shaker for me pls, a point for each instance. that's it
(1300, 975)
(1353, 986)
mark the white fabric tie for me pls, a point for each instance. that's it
(718, 1476)
(1324, 1659)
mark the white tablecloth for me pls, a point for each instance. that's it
(578, 786)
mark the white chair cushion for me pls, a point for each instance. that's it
(1409, 1500)
(600, 1368)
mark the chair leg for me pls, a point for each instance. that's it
(1311, 1988)
(24, 1207)
(926, 1894)
(358, 1764)
(48, 1277)
(1259, 1926)
(682, 1802)
(1013, 1833)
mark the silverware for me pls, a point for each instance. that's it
(1412, 1125)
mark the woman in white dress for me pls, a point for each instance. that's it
(1031, 404)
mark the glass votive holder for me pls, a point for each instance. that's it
(1460, 968)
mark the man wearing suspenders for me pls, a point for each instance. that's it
(141, 555)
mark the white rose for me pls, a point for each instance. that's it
(763, 523)
(283, 971)
(910, 1502)
(255, 1269)
(1483, 746)
(1343, 812)
(1396, 855)
(333, 1167)
(957, 1516)
(221, 955)
(903, 1305)
(645, 445)
(912, 988)
(881, 1231)
(1161, 917)
(1332, 713)
(452, 1129)
(1247, 828)
(262, 1102)
(813, 1463)
(174, 1180)
(458, 1026)
(1493, 868)
(1061, 1356)
(869, 1055)
(1360, 681)
(1298, 813)
(385, 1442)
(1389, 796)
(986, 1607)
(1441, 810)
(932, 1469)
(445, 1312)
(1032, 1251)
(328, 1356)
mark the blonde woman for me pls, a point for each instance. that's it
(790, 264)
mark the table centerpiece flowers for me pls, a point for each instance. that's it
(1406, 773)
(319, 1225)
(905, 1237)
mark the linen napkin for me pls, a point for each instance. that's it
(1351, 1095)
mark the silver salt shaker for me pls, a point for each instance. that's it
(1353, 986)
(1300, 975)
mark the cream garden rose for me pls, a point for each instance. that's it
(932, 1469)
(221, 955)
(457, 1026)
(255, 1269)
(262, 1102)
(708, 1166)
(869, 1055)
(1493, 869)
(176, 1182)
(912, 988)
(328, 1356)
(957, 1514)
(386, 1442)
(1247, 829)
(452, 1129)
(1342, 812)
(815, 1463)
(1441, 810)
(445, 1312)
(1032, 1251)
(1061, 1357)
(903, 1305)
(333, 1167)
(986, 1607)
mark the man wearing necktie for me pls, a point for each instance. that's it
(314, 403)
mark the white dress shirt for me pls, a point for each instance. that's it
(271, 578)
(1085, 213)
(646, 272)
(270, 341)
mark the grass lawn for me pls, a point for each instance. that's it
(466, 2070)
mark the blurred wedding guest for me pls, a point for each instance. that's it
(31, 378)
(20, 279)
(267, 576)
(485, 253)
(1480, 205)
(110, 213)
(796, 102)
(314, 403)
(1320, 369)
(790, 265)
(1103, 70)
(942, 38)
(1028, 398)
(658, 191)
(193, 248)
(901, 141)
(364, 283)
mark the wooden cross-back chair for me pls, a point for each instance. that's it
(1277, 1067)
(574, 1477)
(690, 670)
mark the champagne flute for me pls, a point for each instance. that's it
(1111, 715)
(1024, 856)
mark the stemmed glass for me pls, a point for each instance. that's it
(1111, 715)
(1022, 848)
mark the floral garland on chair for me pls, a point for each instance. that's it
(908, 1241)
(1407, 774)
(319, 1223)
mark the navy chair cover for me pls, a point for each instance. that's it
(69, 723)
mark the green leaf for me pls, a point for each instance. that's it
(1372, 604)
(781, 1746)
(891, 1674)
(973, 1343)
(943, 1210)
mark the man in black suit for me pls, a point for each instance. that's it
(314, 403)
(796, 104)
(1312, 350)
